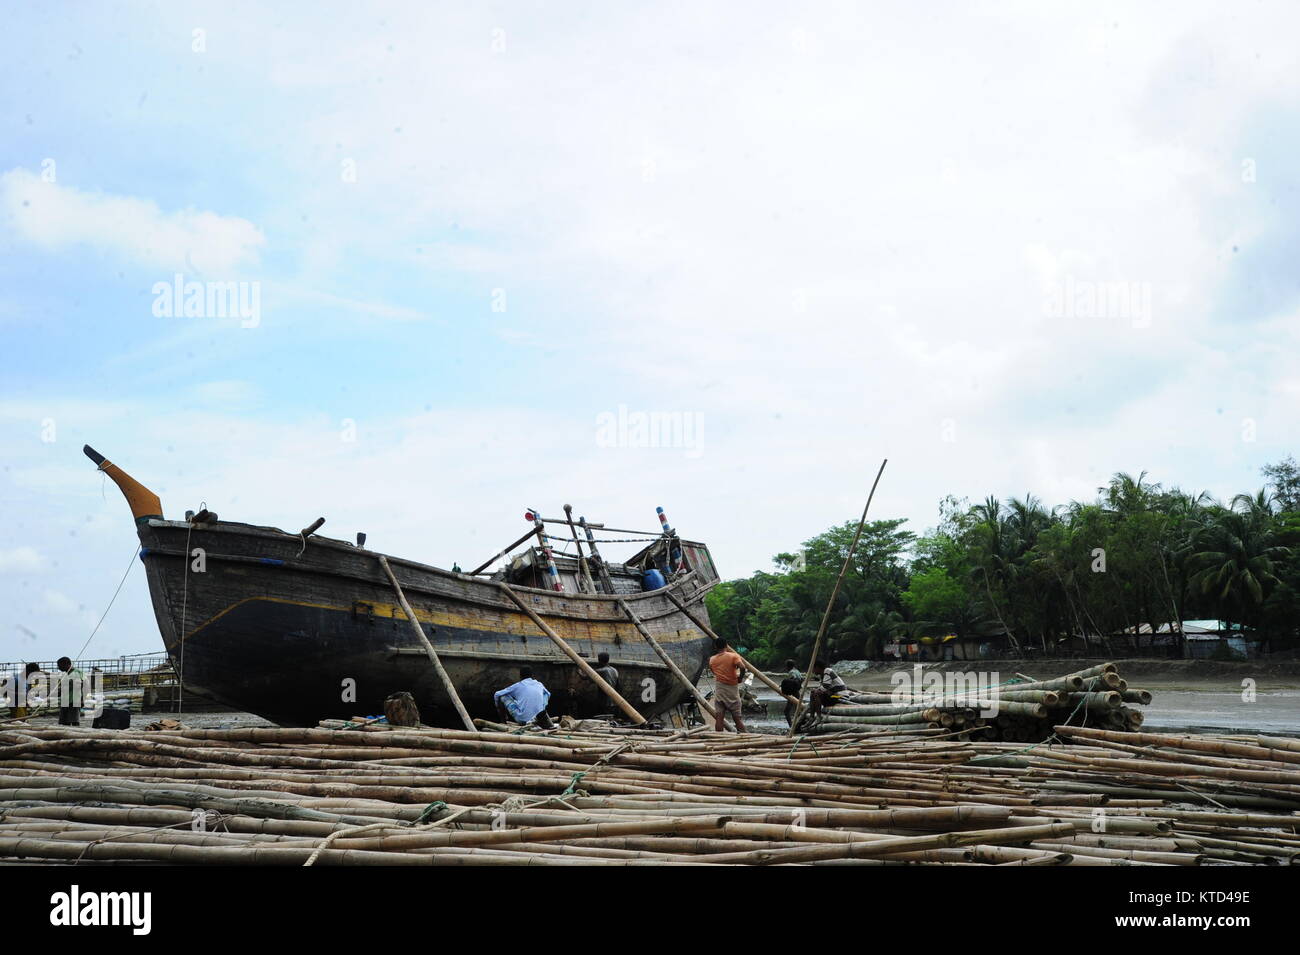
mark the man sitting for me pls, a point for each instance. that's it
(827, 692)
(525, 701)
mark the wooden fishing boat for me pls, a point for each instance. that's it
(297, 627)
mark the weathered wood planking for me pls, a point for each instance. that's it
(286, 631)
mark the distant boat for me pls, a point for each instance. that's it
(296, 627)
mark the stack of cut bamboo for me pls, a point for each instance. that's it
(1016, 712)
(386, 795)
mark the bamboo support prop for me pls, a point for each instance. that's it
(428, 647)
(821, 629)
(668, 660)
(709, 632)
(568, 651)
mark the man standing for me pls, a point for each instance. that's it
(525, 701)
(727, 668)
(15, 693)
(69, 692)
(607, 672)
(791, 686)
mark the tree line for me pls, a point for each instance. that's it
(1033, 576)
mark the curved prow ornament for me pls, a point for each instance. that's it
(144, 503)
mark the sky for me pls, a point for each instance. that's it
(472, 249)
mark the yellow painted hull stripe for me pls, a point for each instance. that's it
(512, 623)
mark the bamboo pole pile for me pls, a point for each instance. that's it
(1015, 712)
(587, 795)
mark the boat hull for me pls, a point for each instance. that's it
(297, 631)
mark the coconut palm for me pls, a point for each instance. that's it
(1237, 553)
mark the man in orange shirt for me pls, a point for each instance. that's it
(727, 669)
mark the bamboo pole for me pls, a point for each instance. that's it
(663, 655)
(504, 552)
(709, 632)
(628, 796)
(830, 604)
(606, 582)
(585, 575)
(583, 665)
(428, 647)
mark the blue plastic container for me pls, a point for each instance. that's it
(651, 579)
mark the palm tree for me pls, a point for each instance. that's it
(1236, 556)
(1186, 515)
(1039, 594)
(994, 553)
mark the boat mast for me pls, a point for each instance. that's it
(552, 572)
(582, 560)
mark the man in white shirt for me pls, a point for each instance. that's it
(826, 692)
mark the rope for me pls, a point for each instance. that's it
(429, 810)
(82, 651)
(220, 820)
(185, 598)
(311, 859)
(508, 805)
(577, 777)
(812, 746)
(1083, 704)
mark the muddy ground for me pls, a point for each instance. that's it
(1197, 696)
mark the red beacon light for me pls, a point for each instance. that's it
(529, 516)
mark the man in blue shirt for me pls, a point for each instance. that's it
(524, 701)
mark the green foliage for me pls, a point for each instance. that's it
(1137, 557)
(936, 596)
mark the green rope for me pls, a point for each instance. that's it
(429, 810)
(1083, 704)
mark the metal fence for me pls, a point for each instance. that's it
(133, 670)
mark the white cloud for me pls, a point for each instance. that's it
(228, 395)
(298, 293)
(191, 241)
(22, 560)
(826, 230)
(60, 603)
